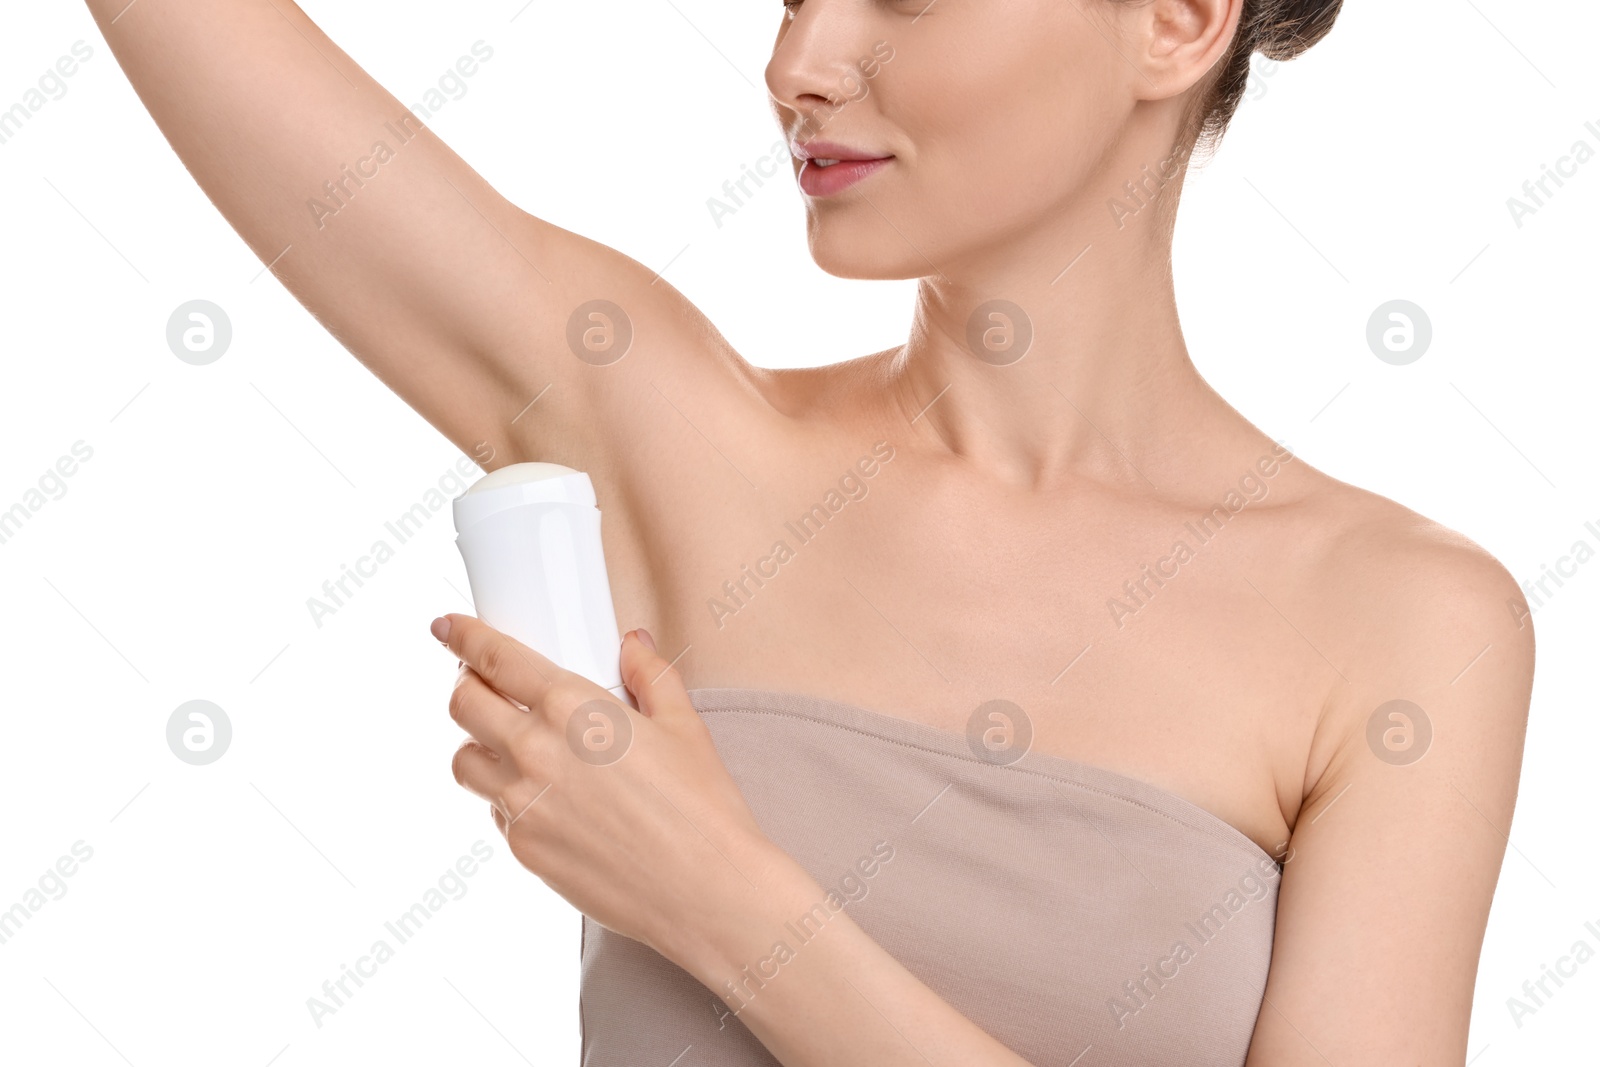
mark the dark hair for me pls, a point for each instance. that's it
(1279, 30)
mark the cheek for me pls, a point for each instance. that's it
(998, 146)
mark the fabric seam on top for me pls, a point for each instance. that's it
(1217, 833)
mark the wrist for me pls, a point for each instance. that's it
(751, 912)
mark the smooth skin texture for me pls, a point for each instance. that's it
(981, 562)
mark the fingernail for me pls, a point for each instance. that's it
(440, 628)
(644, 636)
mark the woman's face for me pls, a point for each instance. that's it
(994, 118)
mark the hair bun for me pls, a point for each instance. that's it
(1282, 29)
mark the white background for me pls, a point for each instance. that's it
(218, 499)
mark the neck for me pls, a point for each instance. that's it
(1082, 371)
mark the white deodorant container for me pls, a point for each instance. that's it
(530, 536)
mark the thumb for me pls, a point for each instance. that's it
(654, 682)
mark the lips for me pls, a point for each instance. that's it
(827, 168)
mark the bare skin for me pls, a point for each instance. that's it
(984, 557)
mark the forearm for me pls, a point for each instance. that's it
(396, 246)
(258, 104)
(814, 987)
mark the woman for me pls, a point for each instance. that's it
(1011, 698)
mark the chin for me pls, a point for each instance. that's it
(852, 245)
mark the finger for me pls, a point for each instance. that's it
(480, 772)
(653, 681)
(499, 659)
(487, 715)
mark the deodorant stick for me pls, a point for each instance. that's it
(530, 536)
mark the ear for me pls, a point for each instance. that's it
(1180, 41)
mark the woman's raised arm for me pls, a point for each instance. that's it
(463, 304)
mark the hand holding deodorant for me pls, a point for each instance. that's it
(529, 534)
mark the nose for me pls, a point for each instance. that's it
(813, 70)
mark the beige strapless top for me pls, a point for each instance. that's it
(1079, 916)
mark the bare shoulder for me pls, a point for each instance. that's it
(1403, 585)
(1417, 618)
(829, 394)
(1409, 785)
(631, 378)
